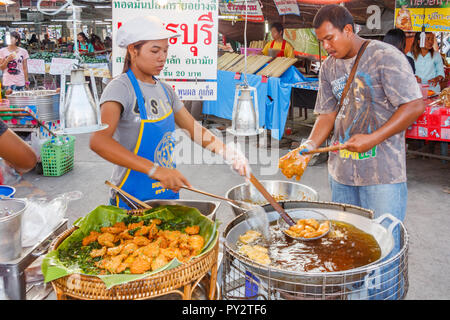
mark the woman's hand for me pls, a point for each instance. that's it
(10, 58)
(435, 80)
(170, 179)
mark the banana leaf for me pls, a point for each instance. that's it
(173, 217)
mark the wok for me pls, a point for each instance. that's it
(291, 280)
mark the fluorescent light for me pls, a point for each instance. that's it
(24, 9)
(107, 19)
(22, 22)
(102, 7)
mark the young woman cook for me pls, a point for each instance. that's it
(141, 112)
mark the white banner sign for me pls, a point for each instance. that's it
(193, 55)
(235, 9)
(36, 66)
(201, 90)
(287, 7)
(60, 65)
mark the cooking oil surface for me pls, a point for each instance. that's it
(345, 247)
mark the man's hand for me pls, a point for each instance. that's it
(360, 143)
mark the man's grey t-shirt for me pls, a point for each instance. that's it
(157, 105)
(384, 81)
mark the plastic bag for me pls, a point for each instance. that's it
(42, 216)
(8, 175)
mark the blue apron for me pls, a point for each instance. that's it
(155, 143)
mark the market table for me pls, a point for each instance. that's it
(274, 97)
(432, 125)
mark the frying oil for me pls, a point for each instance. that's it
(345, 247)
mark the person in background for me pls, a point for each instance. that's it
(14, 64)
(108, 43)
(84, 46)
(33, 39)
(99, 47)
(428, 62)
(15, 151)
(397, 38)
(278, 43)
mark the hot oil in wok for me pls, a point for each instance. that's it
(345, 247)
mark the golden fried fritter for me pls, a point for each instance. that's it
(196, 243)
(141, 241)
(116, 228)
(132, 226)
(192, 230)
(151, 250)
(159, 262)
(114, 251)
(98, 252)
(129, 248)
(106, 239)
(90, 238)
(141, 264)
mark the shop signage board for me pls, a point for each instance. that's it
(411, 15)
(192, 90)
(235, 10)
(62, 65)
(36, 66)
(193, 55)
(285, 7)
(10, 12)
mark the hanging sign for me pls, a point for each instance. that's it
(36, 66)
(411, 15)
(234, 10)
(285, 7)
(62, 65)
(193, 55)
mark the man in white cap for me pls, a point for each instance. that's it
(141, 112)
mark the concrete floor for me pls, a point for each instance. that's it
(427, 220)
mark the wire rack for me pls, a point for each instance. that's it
(387, 279)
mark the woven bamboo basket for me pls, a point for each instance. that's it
(181, 280)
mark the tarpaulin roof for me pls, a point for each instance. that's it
(255, 31)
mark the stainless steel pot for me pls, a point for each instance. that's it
(288, 190)
(46, 102)
(11, 228)
(291, 281)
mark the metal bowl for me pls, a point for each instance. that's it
(288, 191)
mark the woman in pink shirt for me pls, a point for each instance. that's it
(13, 62)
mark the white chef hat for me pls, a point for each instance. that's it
(142, 28)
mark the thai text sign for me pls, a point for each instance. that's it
(236, 10)
(411, 15)
(195, 90)
(287, 7)
(193, 55)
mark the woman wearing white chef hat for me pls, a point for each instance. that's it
(141, 112)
